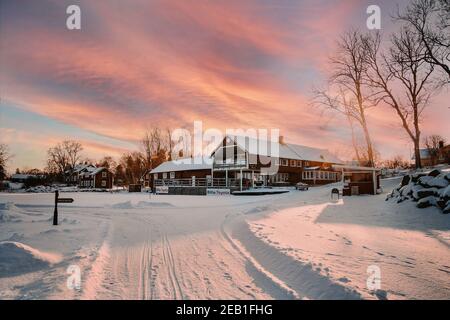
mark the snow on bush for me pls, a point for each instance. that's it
(9, 212)
(432, 189)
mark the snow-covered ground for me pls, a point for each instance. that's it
(294, 245)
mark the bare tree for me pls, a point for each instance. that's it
(107, 162)
(4, 157)
(157, 146)
(396, 162)
(346, 93)
(57, 160)
(401, 78)
(64, 156)
(133, 167)
(433, 144)
(169, 143)
(73, 150)
(430, 22)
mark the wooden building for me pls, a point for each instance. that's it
(98, 178)
(359, 180)
(72, 176)
(243, 162)
(262, 162)
(432, 157)
(181, 169)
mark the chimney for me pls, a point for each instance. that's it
(441, 144)
(281, 140)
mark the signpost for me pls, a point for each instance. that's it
(59, 200)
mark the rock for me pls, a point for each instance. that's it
(417, 176)
(415, 189)
(405, 180)
(438, 182)
(434, 173)
(446, 209)
(425, 180)
(426, 202)
(426, 192)
(445, 193)
(406, 190)
(441, 204)
(447, 177)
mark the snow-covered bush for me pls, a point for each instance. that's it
(432, 189)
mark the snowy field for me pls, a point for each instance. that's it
(297, 245)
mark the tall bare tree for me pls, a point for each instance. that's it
(107, 162)
(73, 150)
(4, 157)
(401, 78)
(64, 156)
(346, 93)
(133, 167)
(433, 144)
(430, 22)
(157, 146)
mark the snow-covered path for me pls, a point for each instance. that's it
(146, 247)
(137, 246)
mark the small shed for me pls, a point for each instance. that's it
(359, 180)
(134, 188)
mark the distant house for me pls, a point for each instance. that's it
(99, 178)
(22, 178)
(432, 157)
(72, 176)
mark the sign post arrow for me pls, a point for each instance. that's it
(59, 200)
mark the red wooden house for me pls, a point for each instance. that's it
(98, 178)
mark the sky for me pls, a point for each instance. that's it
(163, 63)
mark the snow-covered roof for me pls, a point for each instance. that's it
(82, 167)
(196, 163)
(354, 168)
(21, 176)
(92, 171)
(285, 150)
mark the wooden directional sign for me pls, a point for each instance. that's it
(65, 200)
(59, 200)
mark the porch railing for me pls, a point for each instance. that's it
(198, 182)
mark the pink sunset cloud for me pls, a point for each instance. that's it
(168, 63)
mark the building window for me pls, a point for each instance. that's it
(284, 162)
(280, 177)
(104, 183)
(155, 176)
(104, 174)
(308, 175)
(293, 163)
(172, 175)
(299, 163)
(164, 175)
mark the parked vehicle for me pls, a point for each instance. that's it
(301, 186)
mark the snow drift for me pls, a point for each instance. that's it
(9, 212)
(17, 258)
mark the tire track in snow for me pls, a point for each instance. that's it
(170, 268)
(265, 280)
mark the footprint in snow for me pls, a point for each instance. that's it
(344, 280)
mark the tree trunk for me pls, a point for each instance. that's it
(417, 159)
(369, 145)
(354, 142)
